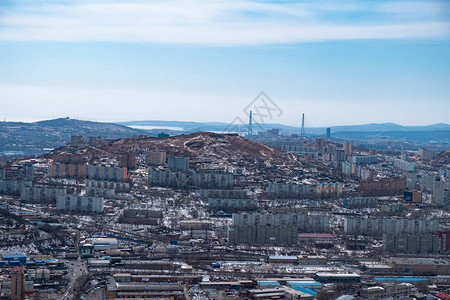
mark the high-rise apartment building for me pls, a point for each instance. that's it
(438, 190)
(347, 149)
(17, 283)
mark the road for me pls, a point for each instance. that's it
(75, 269)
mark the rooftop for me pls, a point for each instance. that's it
(338, 274)
(422, 260)
(304, 234)
(283, 257)
(267, 283)
(6, 256)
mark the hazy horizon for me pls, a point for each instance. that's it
(213, 121)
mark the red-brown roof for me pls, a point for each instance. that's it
(17, 270)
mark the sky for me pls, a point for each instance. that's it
(339, 62)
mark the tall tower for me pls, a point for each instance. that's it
(250, 126)
(17, 282)
(302, 130)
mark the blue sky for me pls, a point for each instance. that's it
(339, 62)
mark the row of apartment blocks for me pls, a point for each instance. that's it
(48, 194)
(117, 186)
(79, 203)
(231, 205)
(30, 193)
(41, 195)
(436, 183)
(382, 187)
(13, 187)
(126, 160)
(17, 172)
(180, 179)
(363, 172)
(364, 202)
(78, 140)
(430, 243)
(159, 158)
(293, 190)
(378, 226)
(320, 151)
(82, 171)
(275, 229)
(339, 156)
(360, 202)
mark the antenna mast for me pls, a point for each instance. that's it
(250, 126)
(302, 130)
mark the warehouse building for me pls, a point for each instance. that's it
(387, 291)
(418, 266)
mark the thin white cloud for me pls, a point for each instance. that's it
(222, 22)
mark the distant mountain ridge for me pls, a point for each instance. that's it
(19, 138)
(220, 126)
(89, 128)
(420, 136)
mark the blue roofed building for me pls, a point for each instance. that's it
(305, 290)
(309, 284)
(268, 284)
(15, 257)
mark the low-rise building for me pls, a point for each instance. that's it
(121, 290)
(337, 277)
(312, 260)
(418, 266)
(316, 238)
(283, 259)
(233, 205)
(101, 243)
(388, 291)
(196, 225)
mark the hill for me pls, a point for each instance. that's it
(207, 151)
(19, 138)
